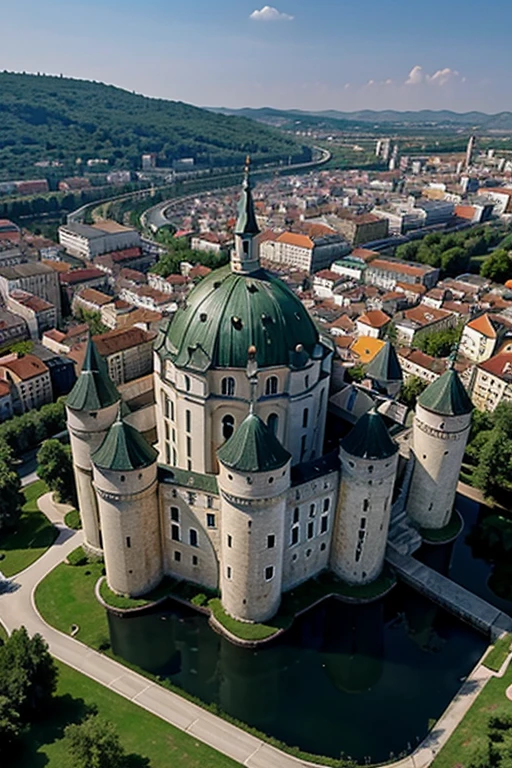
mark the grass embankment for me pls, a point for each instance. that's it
(72, 519)
(470, 739)
(498, 653)
(33, 536)
(3, 633)
(441, 535)
(140, 732)
(169, 587)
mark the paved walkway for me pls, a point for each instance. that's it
(17, 608)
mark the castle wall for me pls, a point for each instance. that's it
(362, 517)
(129, 515)
(439, 443)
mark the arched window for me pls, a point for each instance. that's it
(272, 423)
(228, 426)
(271, 385)
(228, 386)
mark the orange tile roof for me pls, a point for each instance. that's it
(375, 318)
(4, 389)
(27, 367)
(425, 315)
(95, 297)
(365, 254)
(365, 348)
(116, 341)
(500, 365)
(291, 238)
(406, 269)
(328, 274)
(412, 288)
(484, 326)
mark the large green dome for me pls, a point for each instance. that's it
(229, 312)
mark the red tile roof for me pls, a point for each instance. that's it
(26, 367)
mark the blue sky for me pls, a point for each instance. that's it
(326, 54)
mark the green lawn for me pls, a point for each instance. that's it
(470, 737)
(66, 597)
(140, 732)
(452, 528)
(72, 519)
(498, 653)
(33, 536)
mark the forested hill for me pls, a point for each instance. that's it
(56, 118)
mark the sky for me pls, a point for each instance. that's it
(326, 54)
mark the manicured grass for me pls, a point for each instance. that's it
(168, 587)
(470, 736)
(66, 597)
(33, 536)
(140, 732)
(72, 519)
(3, 633)
(242, 629)
(498, 653)
(450, 530)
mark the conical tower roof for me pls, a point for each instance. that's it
(253, 447)
(94, 388)
(124, 449)
(446, 396)
(246, 222)
(385, 365)
(370, 439)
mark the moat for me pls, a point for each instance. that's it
(366, 681)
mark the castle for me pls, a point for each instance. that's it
(238, 495)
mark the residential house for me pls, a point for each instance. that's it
(30, 382)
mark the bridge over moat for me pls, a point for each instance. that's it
(446, 593)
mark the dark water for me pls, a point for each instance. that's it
(462, 562)
(359, 680)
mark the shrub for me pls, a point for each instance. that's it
(77, 557)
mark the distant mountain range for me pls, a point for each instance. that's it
(426, 118)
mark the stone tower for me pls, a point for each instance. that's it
(385, 371)
(125, 479)
(254, 478)
(245, 257)
(369, 460)
(91, 408)
(442, 421)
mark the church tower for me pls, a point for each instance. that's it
(91, 408)
(125, 479)
(369, 459)
(253, 482)
(245, 257)
(442, 421)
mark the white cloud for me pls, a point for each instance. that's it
(417, 76)
(268, 13)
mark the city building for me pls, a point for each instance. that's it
(38, 314)
(6, 408)
(211, 242)
(128, 353)
(238, 494)
(372, 323)
(481, 337)
(9, 231)
(386, 273)
(361, 228)
(308, 254)
(29, 379)
(493, 382)
(413, 323)
(89, 240)
(35, 278)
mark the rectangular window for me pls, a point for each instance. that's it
(228, 572)
(209, 502)
(177, 556)
(167, 431)
(312, 510)
(172, 410)
(189, 465)
(324, 523)
(327, 504)
(128, 542)
(296, 515)
(166, 405)
(271, 541)
(269, 573)
(305, 417)
(188, 421)
(230, 541)
(311, 529)
(302, 447)
(366, 504)
(191, 498)
(174, 457)
(175, 514)
(210, 521)
(295, 535)
(195, 560)
(192, 537)
(167, 453)
(189, 447)
(175, 532)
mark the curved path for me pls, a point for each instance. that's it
(17, 608)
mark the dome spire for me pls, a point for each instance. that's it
(245, 256)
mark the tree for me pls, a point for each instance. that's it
(439, 343)
(55, 467)
(9, 725)
(92, 318)
(491, 449)
(11, 497)
(411, 390)
(28, 674)
(94, 743)
(497, 266)
(454, 260)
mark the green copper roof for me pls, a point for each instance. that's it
(228, 312)
(446, 396)
(246, 221)
(253, 448)
(385, 365)
(94, 388)
(369, 439)
(124, 449)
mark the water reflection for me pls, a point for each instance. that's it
(359, 680)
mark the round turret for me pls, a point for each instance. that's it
(369, 460)
(91, 408)
(125, 480)
(254, 478)
(442, 421)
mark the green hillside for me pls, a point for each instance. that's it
(60, 119)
